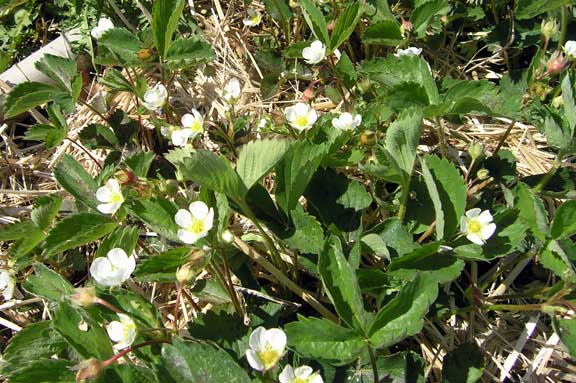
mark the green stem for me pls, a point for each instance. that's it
(534, 307)
(544, 181)
(403, 201)
(441, 137)
(503, 139)
(373, 363)
(564, 26)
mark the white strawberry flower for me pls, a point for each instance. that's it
(155, 97)
(193, 121)
(111, 196)
(314, 53)
(195, 222)
(232, 91)
(7, 284)
(477, 225)
(410, 51)
(301, 116)
(266, 348)
(104, 24)
(113, 269)
(302, 374)
(346, 121)
(570, 49)
(254, 18)
(122, 332)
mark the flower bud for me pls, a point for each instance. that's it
(124, 176)
(185, 273)
(475, 150)
(556, 63)
(145, 54)
(88, 369)
(227, 236)
(84, 296)
(558, 101)
(549, 28)
(406, 27)
(483, 174)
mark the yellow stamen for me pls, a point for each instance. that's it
(197, 227)
(474, 227)
(302, 121)
(268, 357)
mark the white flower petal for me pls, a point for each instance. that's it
(187, 236)
(303, 372)
(277, 339)
(257, 341)
(287, 375)
(316, 379)
(117, 257)
(100, 269)
(254, 361)
(473, 212)
(475, 238)
(104, 194)
(198, 209)
(488, 230)
(183, 218)
(485, 217)
(115, 331)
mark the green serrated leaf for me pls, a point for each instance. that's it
(123, 44)
(566, 330)
(213, 172)
(401, 141)
(114, 80)
(185, 52)
(295, 171)
(441, 266)
(341, 285)
(60, 70)
(315, 20)
(159, 214)
(345, 24)
(422, 15)
(532, 211)
(257, 158)
(15, 231)
(51, 135)
(318, 338)
(71, 175)
(84, 334)
(165, 16)
(35, 341)
(97, 136)
(556, 257)
(448, 193)
(77, 230)
(403, 315)
(528, 9)
(564, 224)
(28, 95)
(162, 267)
(308, 235)
(48, 284)
(140, 163)
(355, 197)
(41, 371)
(124, 237)
(197, 362)
(385, 32)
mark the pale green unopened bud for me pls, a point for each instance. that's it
(558, 101)
(185, 273)
(483, 174)
(227, 236)
(84, 296)
(549, 28)
(475, 150)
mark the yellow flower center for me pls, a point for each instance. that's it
(298, 380)
(116, 197)
(196, 126)
(197, 227)
(474, 227)
(302, 121)
(255, 19)
(268, 357)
